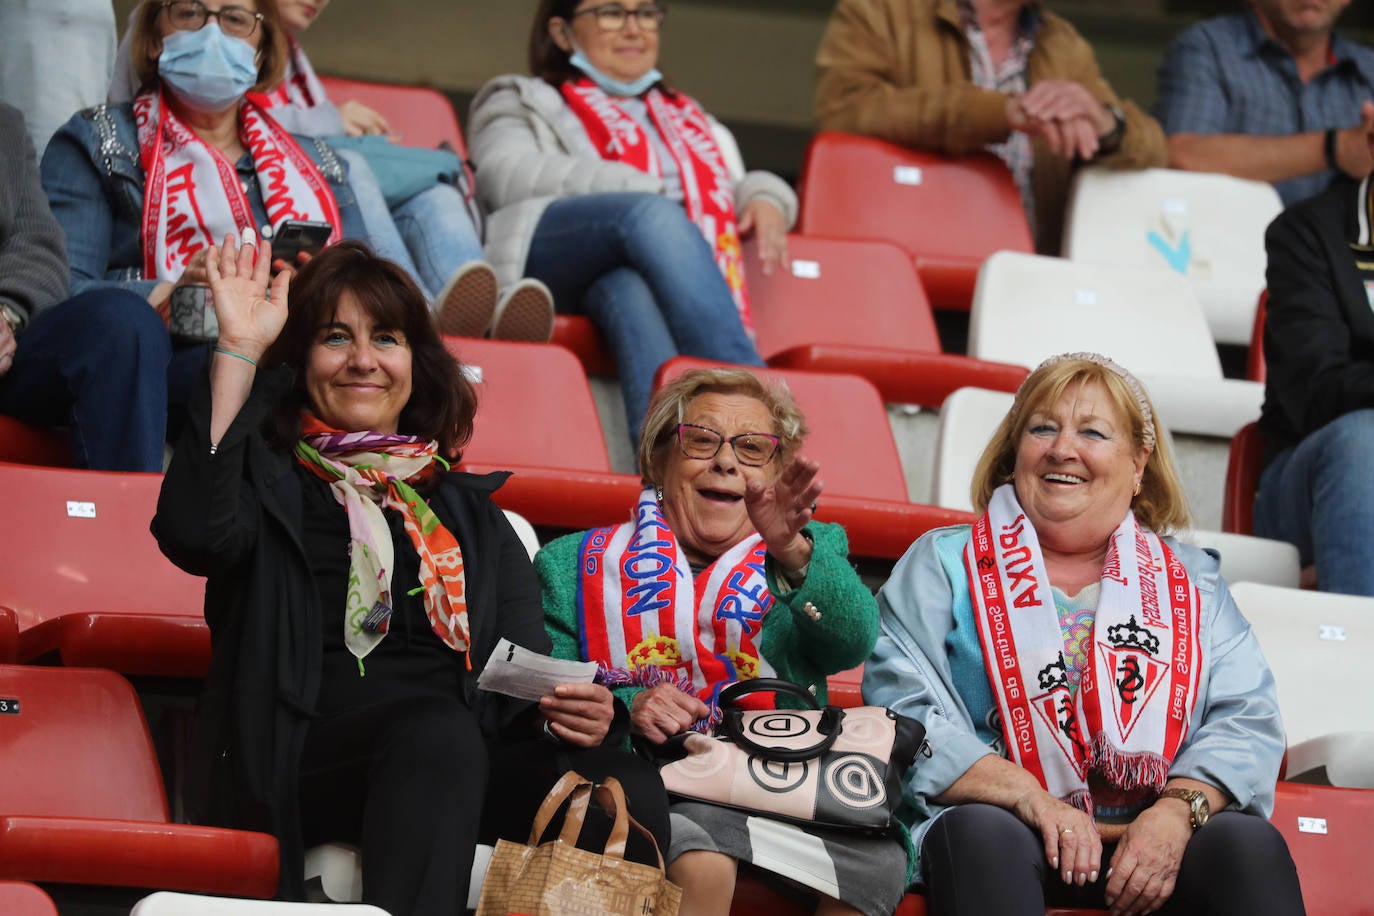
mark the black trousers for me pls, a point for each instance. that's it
(981, 859)
(413, 783)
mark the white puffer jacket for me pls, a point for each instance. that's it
(530, 149)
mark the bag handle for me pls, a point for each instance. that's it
(570, 783)
(612, 798)
(732, 719)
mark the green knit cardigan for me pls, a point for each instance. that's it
(801, 650)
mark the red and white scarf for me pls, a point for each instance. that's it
(1140, 682)
(192, 197)
(639, 606)
(685, 129)
(300, 86)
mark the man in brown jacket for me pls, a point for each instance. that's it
(961, 76)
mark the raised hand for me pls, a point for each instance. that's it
(250, 314)
(780, 511)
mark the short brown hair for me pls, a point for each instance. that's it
(669, 406)
(1161, 505)
(145, 44)
(442, 401)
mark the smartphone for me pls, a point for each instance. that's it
(294, 236)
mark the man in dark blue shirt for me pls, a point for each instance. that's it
(1271, 94)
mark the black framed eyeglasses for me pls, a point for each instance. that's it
(611, 17)
(191, 15)
(703, 443)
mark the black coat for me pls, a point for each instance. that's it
(1318, 328)
(235, 518)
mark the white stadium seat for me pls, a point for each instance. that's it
(1209, 228)
(1317, 645)
(1028, 307)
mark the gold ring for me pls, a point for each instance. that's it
(1063, 830)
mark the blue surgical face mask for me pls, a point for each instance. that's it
(608, 85)
(205, 69)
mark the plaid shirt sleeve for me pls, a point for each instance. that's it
(1192, 92)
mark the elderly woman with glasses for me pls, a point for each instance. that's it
(623, 195)
(722, 575)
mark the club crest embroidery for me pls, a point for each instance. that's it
(1133, 671)
(1055, 705)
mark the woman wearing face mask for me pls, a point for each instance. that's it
(141, 190)
(622, 194)
(425, 228)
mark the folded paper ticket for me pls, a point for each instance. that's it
(520, 672)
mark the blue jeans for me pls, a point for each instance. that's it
(638, 267)
(100, 363)
(1319, 496)
(430, 235)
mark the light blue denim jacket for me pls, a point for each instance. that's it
(1235, 738)
(94, 181)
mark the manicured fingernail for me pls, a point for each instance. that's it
(1109, 873)
(1054, 863)
(1068, 877)
(1093, 877)
(249, 236)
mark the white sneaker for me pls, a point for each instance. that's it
(466, 304)
(525, 312)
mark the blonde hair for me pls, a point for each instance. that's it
(1160, 505)
(668, 408)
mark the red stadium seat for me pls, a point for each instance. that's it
(578, 334)
(844, 688)
(753, 898)
(422, 117)
(865, 487)
(857, 307)
(948, 214)
(1243, 468)
(1330, 833)
(85, 578)
(19, 898)
(536, 417)
(23, 443)
(1255, 369)
(82, 800)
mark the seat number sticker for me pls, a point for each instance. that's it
(78, 508)
(806, 270)
(1311, 825)
(907, 174)
(9, 706)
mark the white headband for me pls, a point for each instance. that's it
(1148, 431)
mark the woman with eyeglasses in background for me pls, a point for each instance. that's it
(142, 190)
(621, 194)
(412, 207)
(721, 576)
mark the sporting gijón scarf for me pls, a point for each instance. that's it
(639, 606)
(1140, 681)
(707, 190)
(192, 197)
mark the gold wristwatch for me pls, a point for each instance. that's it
(1198, 810)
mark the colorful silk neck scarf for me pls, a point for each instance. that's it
(369, 471)
(1140, 682)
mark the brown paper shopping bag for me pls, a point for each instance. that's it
(558, 879)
